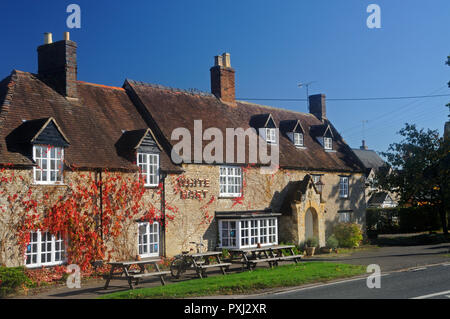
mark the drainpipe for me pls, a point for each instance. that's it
(163, 176)
(101, 205)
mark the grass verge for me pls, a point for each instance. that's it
(246, 282)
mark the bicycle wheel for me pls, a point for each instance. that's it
(176, 267)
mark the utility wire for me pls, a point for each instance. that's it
(349, 99)
(393, 113)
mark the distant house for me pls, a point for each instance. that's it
(381, 200)
(373, 163)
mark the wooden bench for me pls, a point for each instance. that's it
(294, 257)
(271, 261)
(135, 275)
(201, 263)
(161, 275)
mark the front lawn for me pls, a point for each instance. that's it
(246, 282)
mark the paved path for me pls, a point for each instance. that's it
(397, 257)
(422, 283)
(389, 258)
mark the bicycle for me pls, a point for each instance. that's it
(184, 261)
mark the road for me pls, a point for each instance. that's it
(430, 282)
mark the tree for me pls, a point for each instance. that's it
(419, 170)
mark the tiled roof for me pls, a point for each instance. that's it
(93, 123)
(369, 158)
(167, 109)
(96, 121)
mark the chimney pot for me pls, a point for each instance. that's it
(218, 61)
(223, 79)
(66, 36)
(48, 38)
(364, 146)
(226, 60)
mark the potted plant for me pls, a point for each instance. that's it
(311, 244)
(331, 244)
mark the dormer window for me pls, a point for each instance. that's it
(294, 131)
(45, 142)
(328, 143)
(324, 135)
(49, 164)
(271, 135)
(298, 139)
(265, 125)
(142, 147)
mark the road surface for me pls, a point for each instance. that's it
(429, 282)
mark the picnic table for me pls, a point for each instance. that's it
(250, 257)
(135, 275)
(201, 262)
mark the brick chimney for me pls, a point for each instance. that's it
(57, 64)
(317, 106)
(222, 78)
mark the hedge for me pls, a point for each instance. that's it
(402, 220)
(11, 279)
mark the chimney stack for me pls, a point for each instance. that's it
(223, 78)
(57, 64)
(317, 106)
(364, 146)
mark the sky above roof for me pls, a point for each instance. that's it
(274, 45)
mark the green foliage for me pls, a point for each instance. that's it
(11, 279)
(332, 242)
(349, 235)
(419, 170)
(312, 242)
(225, 253)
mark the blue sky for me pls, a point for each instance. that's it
(273, 45)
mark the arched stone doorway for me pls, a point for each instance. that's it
(304, 213)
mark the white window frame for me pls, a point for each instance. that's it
(54, 242)
(271, 135)
(343, 186)
(230, 181)
(146, 165)
(152, 238)
(298, 139)
(250, 232)
(328, 143)
(228, 233)
(46, 155)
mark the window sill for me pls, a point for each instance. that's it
(59, 263)
(150, 186)
(50, 184)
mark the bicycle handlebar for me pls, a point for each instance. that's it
(198, 244)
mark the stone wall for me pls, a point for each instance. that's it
(261, 191)
(193, 217)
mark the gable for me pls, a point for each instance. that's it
(148, 145)
(50, 135)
